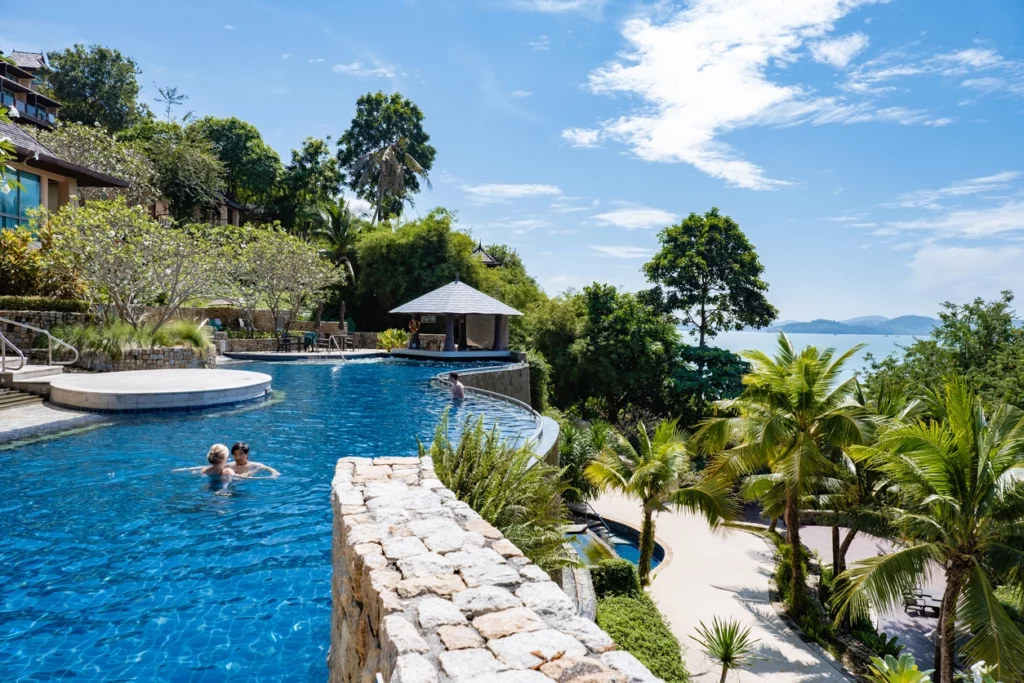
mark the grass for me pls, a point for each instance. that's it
(116, 337)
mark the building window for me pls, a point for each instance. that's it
(15, 204)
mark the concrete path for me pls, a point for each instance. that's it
(723, 574)
(28, 421)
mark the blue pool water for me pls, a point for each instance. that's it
(113, 568)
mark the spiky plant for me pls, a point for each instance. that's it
(726, 643)
(893, 670)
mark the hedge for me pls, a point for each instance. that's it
(637, 626)
(42, 303)
(540, 380)
(615, 577)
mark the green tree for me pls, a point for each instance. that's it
(189, 174)
(711, 274)
(251, 166)
(95, 85)
(337, 229)
(386, 152)
(703, 375)
(311, 178)
(656, 470)
(578, 446)
(793, 416)
(960, 507)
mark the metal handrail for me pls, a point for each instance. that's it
(50, 339)
(4, 343)
(538, 419)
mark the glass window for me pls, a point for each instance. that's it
(31, 197)
(15, 204)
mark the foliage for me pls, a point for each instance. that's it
(251, 166)
(130, 262)
(189, 174)
(94, 147)
(615, 577)
(655, 469)
(393, 338)
(712, 275)
(385, 152)
(893, 670)
(793, 414)
(540, 380)
(7, 154)
(703, 375)
(636, 625)
(31, 265)
(313, 176)
(960, 505)
(578, 446)
(97, 85)
(115, 337)
(506, 485)
(726, 643)
(513, 285)
(41, 303)
(879, 643)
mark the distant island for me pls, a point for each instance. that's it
(869, 324)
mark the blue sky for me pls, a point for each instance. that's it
(872, 151)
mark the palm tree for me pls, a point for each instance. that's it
(385, 168)
(793, 416)
(726, 643)
(656, 469)
(337, 228)
(959, 507)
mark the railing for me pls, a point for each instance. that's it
(50, 339)
(4, 343)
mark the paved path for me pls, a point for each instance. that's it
(28, 421)
(723, 574)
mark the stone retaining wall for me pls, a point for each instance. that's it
(251, 345)
(46, 320)
(513, 382)
(368, 340)
(425, 591)
(160, 358)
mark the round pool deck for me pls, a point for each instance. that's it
(140, 390)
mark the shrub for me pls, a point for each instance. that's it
(615, 577)
(506, 485)
(577, 448)
(540, 380)
(21, 265)
(392, 339)
(42, 303)
(637, 626)
(115, 337)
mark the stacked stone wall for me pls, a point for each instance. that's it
(368, 340)
(160, 358)
(425, 591)
(44, 320)
(513, 382)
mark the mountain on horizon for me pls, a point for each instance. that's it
(867, 324)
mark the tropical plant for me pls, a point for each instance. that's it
(8, 181)
(960, 507)
(636, 626)
(578, 446)
(893, 670)
(656, 470)
(794, 415)
(385, 170)
(726, 643)
(879, 643)
(115, 337)
(337, 229)
(393, 338)
(506, 485)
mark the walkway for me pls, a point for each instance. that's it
(723, 574)
(29, 421)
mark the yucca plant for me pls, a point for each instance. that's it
(392, 339)
(893, 670)
(727, 644)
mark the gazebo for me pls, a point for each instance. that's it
(472, 319)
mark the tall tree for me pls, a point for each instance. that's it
(313, 176)
(656, 470)
(711, 274)
(97, 85)
(251, 166)
(337, 229)
(959, 508)
(386, 152)
(189, 174)
(793, 415)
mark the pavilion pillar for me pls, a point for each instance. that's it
(414, 338)
(449, 332)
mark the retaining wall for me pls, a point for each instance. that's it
(425, 591)
(513, 382)
(160, 358)
(46, 320)
(368, 340)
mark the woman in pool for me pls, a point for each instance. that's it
(218, 459)
(244, 467)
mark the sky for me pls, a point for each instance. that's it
(872, 151)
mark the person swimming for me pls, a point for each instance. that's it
(244, 467)
(458, 389)
(218, 459)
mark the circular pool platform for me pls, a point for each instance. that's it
(140, 390)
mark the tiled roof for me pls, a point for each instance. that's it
(458, 298)
(29, 60)
(33, 153)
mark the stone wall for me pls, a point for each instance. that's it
(160, 358)
(251, 345)
(425, 591)
(513, 382)
(46, 320)
(368, 340)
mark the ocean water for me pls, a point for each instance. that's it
(114, 568)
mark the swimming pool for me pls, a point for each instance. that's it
(113, 568)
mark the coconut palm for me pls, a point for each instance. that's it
(577, 448)
(337, 228)
(726, 643)
(892, 670)
(793, 416)
(959, 508)
(656, 469)
(385, 168)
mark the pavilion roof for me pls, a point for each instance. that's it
(458, 298)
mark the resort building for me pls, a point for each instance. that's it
(20, 89)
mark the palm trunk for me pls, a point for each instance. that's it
(946, 664)
(845, 547)
(797, 586)
(775, 523)
(725, 672)
(646, 547)
(837, 563)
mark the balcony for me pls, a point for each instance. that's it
(37, 114)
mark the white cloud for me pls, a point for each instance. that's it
(592, 7)
(966, 272)
(637, 218)
(359, 206)
(990, 71)
(582, 137)
(229, 27)
(378, 70)
(976, 58)
(930, 199)
(539, 44)
(286, 55)
(316, 60)
(494, 193)
(520, 225)
(519, 94)
(839, 51)
(1003, 219)
(620, 251)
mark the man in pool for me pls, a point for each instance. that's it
(458, 390)
(244, 467)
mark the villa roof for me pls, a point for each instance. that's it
(33, 153)
(29, 60)
(458, 298)
(486, 258)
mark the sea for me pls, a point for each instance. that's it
(877, 345)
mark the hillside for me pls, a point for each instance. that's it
(918, 325)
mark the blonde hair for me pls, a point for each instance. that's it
(218, 453)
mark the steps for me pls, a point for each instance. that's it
(12, 398)
(31, 379)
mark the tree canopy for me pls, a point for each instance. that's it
(251, 166)
(95, 85)
(711, 273)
